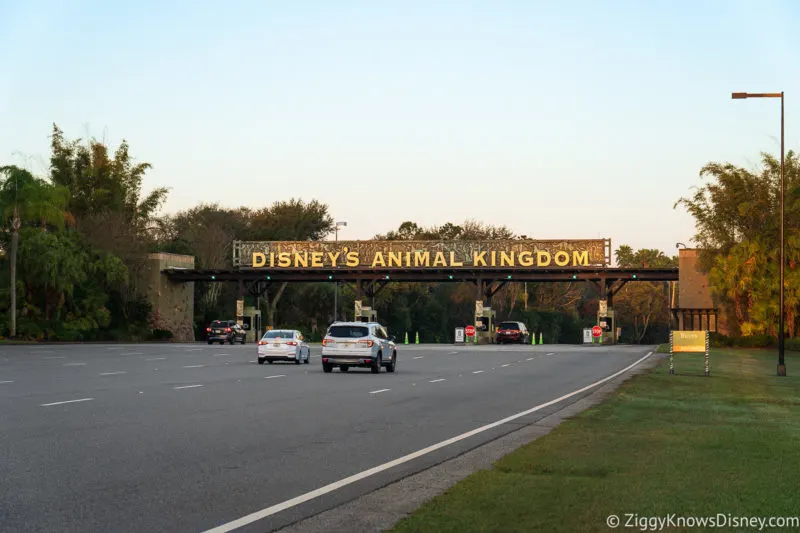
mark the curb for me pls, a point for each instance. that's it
(381, 509)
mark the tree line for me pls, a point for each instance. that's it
(73, 242)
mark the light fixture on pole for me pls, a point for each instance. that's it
(336, 227)
(781, 310)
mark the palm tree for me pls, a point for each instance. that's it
(27, 199)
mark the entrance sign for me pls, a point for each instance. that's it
(688, 342)
(587, 336)
(597, 331)
(513, 253)
(459, 334)
(470, 331)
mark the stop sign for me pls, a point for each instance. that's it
(470, 331)
(597, 331)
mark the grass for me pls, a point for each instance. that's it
(662, 444)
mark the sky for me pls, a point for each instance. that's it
(559, 120)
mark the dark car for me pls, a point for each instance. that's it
(515, 332)
(223, 331)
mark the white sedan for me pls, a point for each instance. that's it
(283, 345)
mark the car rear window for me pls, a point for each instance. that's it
(348, 332)
(278, 334)
(509, 325)
(220, 323)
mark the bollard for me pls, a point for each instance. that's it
(406, 340)
(416, 341)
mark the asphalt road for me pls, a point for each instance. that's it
(190, 437)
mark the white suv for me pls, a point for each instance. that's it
(363, 344)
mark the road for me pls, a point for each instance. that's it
(189, 437)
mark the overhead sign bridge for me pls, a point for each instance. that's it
(370, 265)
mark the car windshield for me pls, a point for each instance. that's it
(509, 325)
(278, 334)
(348, 332)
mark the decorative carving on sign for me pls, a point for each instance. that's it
(300, 255)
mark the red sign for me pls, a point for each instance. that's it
(597, 331)
(470, 331)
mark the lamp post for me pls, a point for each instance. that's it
(781, 361)
(338, 225)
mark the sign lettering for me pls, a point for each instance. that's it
(303, 255)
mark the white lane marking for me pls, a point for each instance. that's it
(116, 348)
(156, 359)
(379, 390)
(437, 380)
(419, 357)
(219, 354)
(452, 353)
(278, 376)
(194, 366)
(68, 401)
(111, 373)
(54, 357)
(74, 364)
(288, 504)
(186, 387)
(477, 371)
(132, 353)
(551, 353)
(530, 359)
(2, 382)
(193, 349)
(505, 365)
(253, 361)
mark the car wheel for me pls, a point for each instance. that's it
(376, 365)
(269, 361)
(391, 366)
(308, 357)
(210, 342)
(230, 341)
(260, 360)
(327, 368)
(244, 339)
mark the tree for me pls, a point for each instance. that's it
(641, 304)
(25, 199)
(737, 217)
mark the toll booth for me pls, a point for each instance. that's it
(484, 325)
(363, 313)
(251, 322)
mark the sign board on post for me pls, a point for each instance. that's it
(240, 312)
(459, 334)
(587, 336)
(597, 331)
(470, 331)
(358, 310)
(478, 307)
(688, 342)
(603, 308)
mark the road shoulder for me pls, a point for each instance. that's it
(380, 510)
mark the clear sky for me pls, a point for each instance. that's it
(577, 119)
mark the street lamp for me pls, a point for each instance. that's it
(338, 225)
(781, 361)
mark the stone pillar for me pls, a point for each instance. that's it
(172, 302)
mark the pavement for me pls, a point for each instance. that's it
(191, 437)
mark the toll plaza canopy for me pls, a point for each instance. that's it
(418, 261)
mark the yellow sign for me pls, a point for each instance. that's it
(689, 341)
(421, 254)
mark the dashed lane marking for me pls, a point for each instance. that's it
(194, 366)
(67, 401)
(186, 387)
(278, 376)
(477, 371)
(74, 364)
(437, 380)
(379, 390)
(111, 373)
